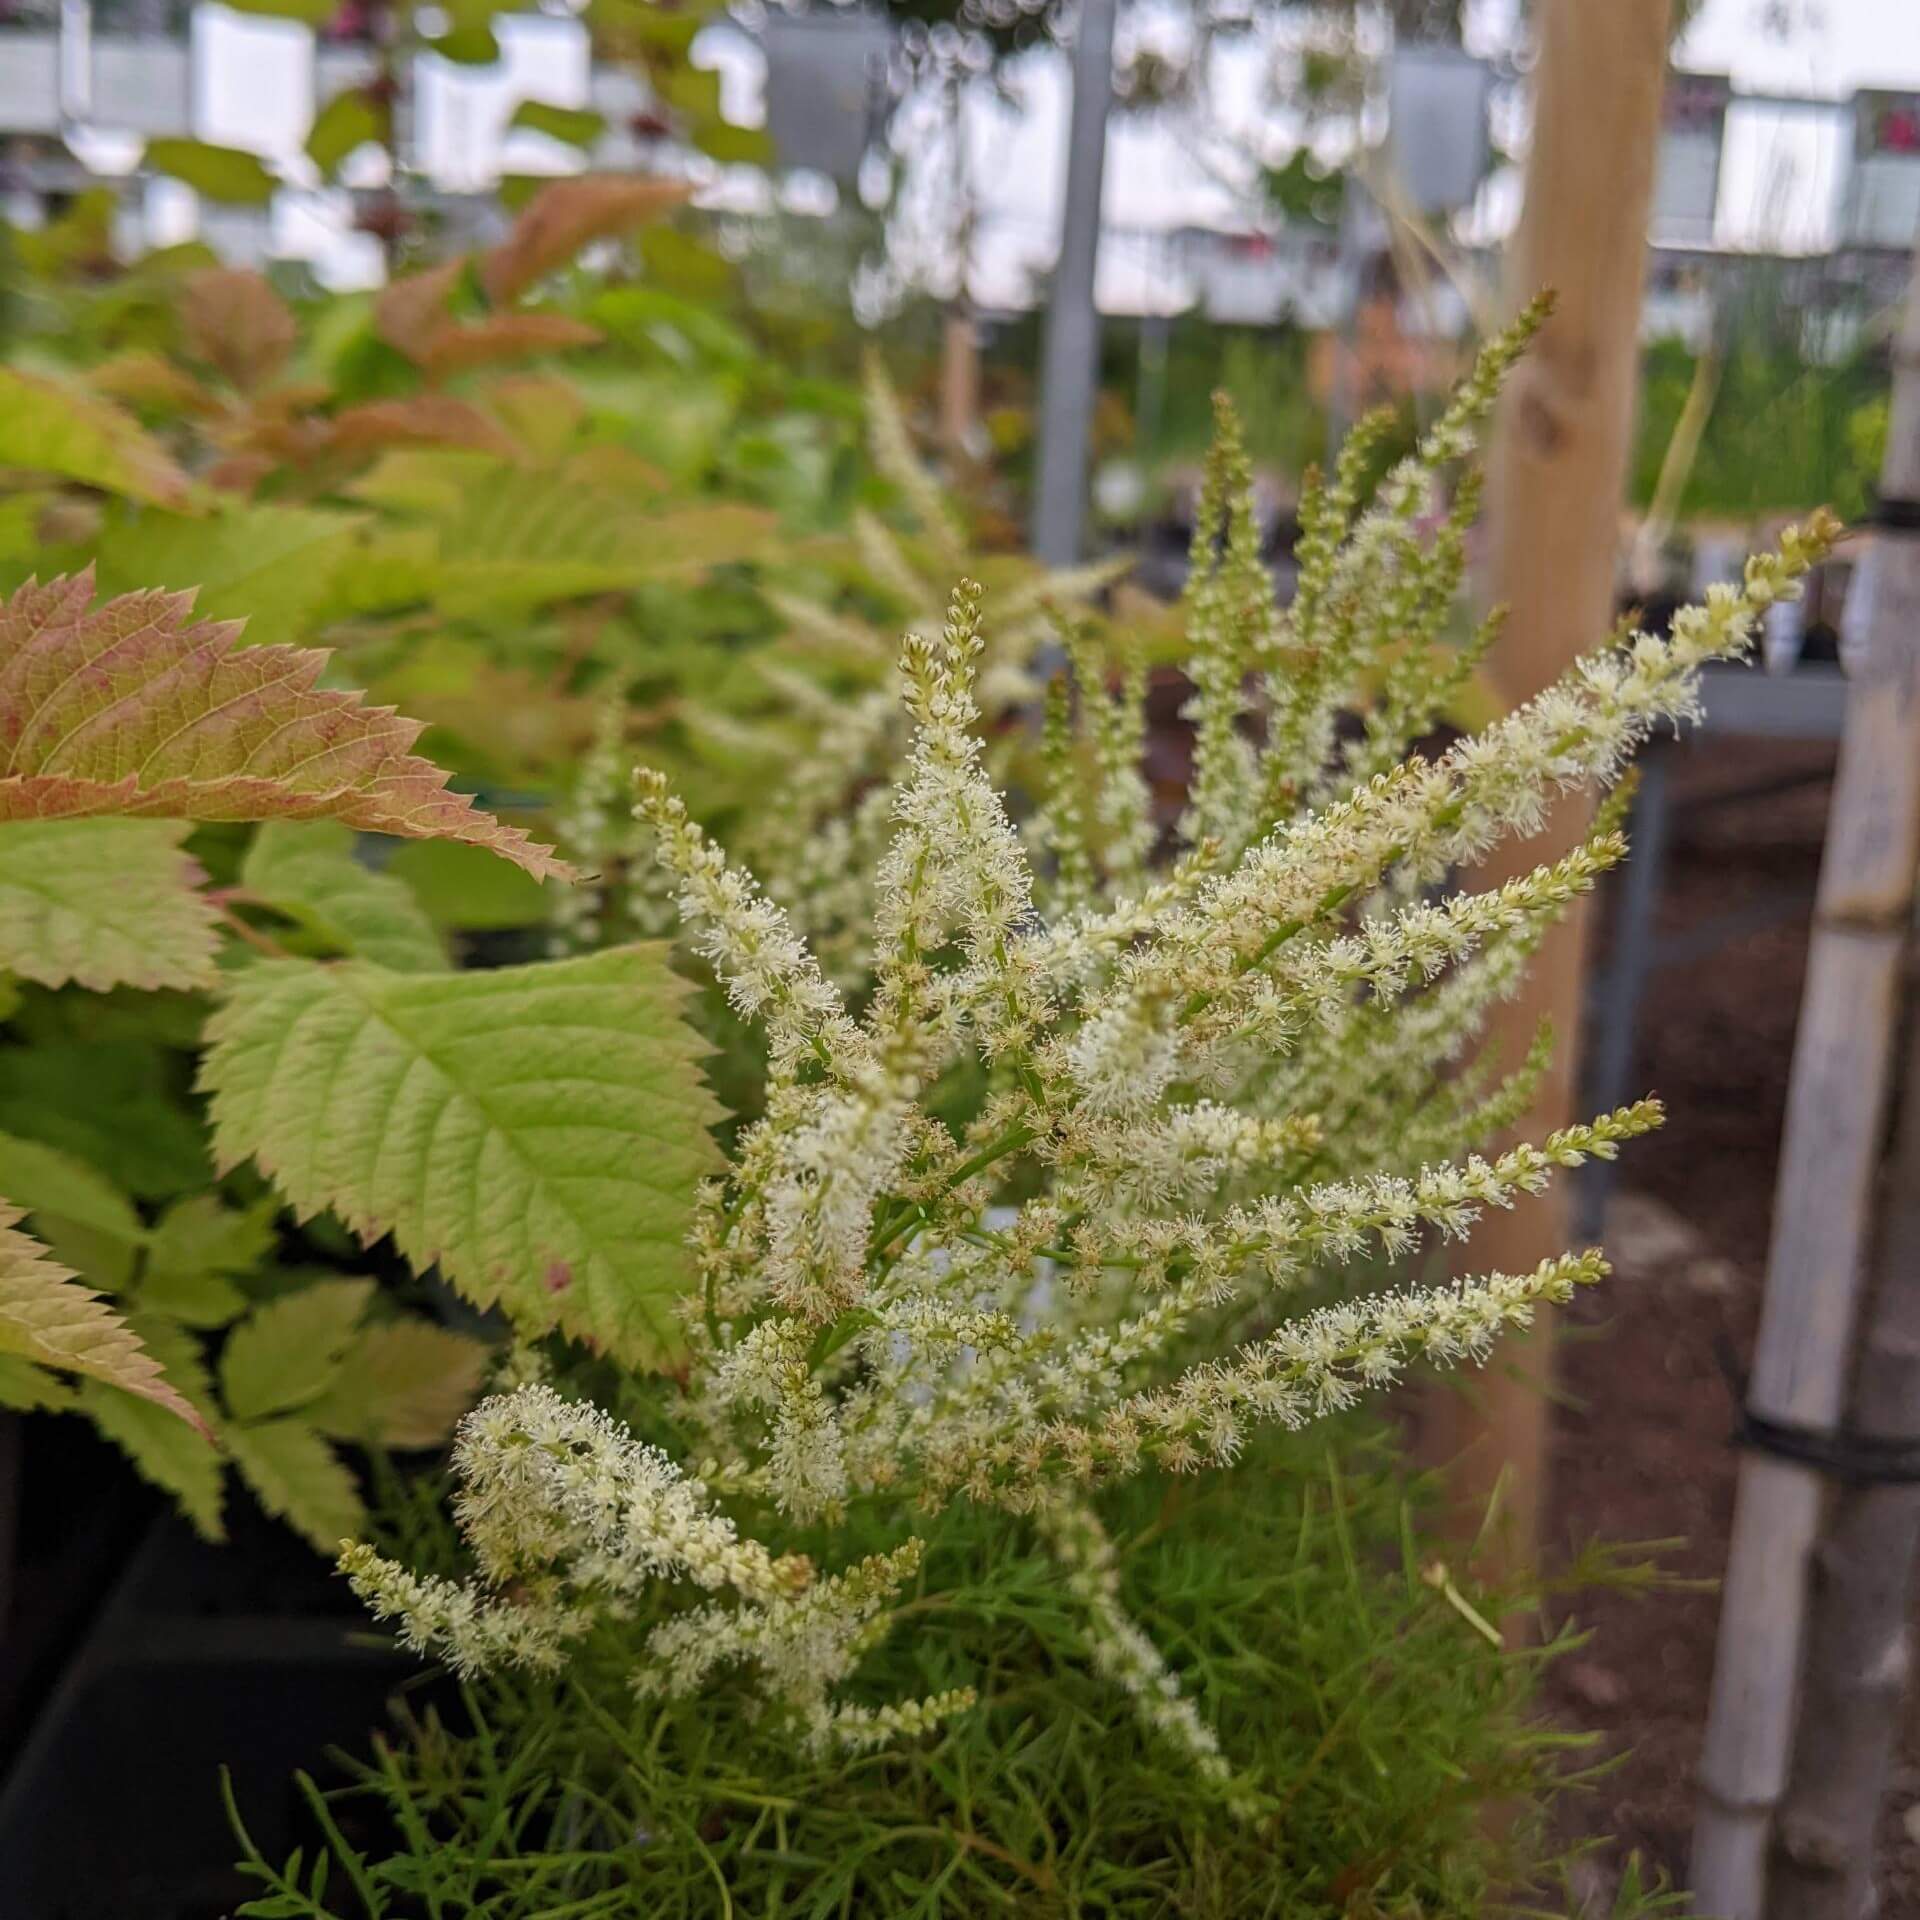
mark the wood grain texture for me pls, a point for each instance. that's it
(1557, 472)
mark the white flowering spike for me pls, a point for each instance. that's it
(1042, 1168)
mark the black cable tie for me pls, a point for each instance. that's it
(1846, 1456)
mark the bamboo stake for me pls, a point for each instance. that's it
(1859, 1641)
(1836, 1111)
(1557, 473)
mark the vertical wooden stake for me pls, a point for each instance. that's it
(1830, 1157)
(1557, 474)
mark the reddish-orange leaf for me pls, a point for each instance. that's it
(424, 420)
(236, 323)
(566, 216)
(132, 708)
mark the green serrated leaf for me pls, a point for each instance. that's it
(165, 1451)
(348, 122)
(202, 1234)
(287, 1351)
(228, 174)
(205, 1300)
(42, 1179)
(403, 1383)
(47, 428)
(103, 903)
(25, 1388)
(198, 1243)
(298, 1478)
(573, 126)
(47, 1317)
(538, 1132)
(306, 870)
(271, 566)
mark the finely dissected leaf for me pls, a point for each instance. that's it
(230, 174)
(128, 708)
(305, 869)
(235, 322)
(565, 217)
(53, 429)
(287, 1351)
(538, 1132)
(103, 903)
(48, 1317)
(403, 1383)
(42, 1179)
(299, 1479)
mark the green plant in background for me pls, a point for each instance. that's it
(1055, 1205)
(1781, 436)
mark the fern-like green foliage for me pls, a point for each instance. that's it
(538, 1133)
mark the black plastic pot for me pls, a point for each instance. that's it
(249, 1655)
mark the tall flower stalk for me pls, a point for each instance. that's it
(1222, 1090)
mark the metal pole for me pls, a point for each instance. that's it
(1070, 362)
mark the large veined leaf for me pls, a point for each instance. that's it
(48, 1317)
(537, 1132)
(306, 870)
(128, 708)
(79, 436)
(102, 903)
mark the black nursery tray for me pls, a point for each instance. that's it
(249, 1655)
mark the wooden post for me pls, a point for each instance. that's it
(1557, 474)
(1816, 1268)
(959, 389)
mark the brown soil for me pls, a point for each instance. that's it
(1640, 1449)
